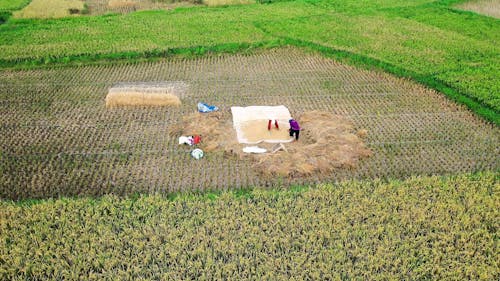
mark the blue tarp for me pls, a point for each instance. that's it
(203, 107)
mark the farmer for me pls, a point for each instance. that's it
(294, 128)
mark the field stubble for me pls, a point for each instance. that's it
(101, 7)
(60, 140)
(485, 7)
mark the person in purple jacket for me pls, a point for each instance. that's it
(294, 128)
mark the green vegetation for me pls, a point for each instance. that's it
(58, 140)
(12, 5)
(454, 52)
(422, 228)
(8, 6)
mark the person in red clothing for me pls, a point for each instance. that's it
(294, 128)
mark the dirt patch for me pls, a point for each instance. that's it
(327, 142)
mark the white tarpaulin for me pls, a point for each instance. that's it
(251, 124)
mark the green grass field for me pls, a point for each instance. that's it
(421, 228)
(12, 5)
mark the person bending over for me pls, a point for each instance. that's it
(294, 128)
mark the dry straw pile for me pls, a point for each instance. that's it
(327, 142)
(145, 94)
(215, 128)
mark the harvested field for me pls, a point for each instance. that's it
(58, 138)
(43, 9)
(329, 143)
(485, 7)
(101, 7)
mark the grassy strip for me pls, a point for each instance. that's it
(463, 62)
(473, 104)
(117, 58)
(420, 228)
(12, 5)
(4, 16)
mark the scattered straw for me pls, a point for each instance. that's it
(213, 3)
(117, 4)
(215, 129)
(327, 142)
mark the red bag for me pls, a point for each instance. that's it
(196, 139)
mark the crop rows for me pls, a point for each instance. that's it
(437, 228)
(59, 139)
(100, 7)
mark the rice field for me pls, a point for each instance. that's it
(58, 138)
(101, 7)
(43, 9)
(422, 228)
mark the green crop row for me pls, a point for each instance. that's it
(12, 5)
(439, 228)
(8, 6)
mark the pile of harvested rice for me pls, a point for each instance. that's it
(145, 94)
(327, 142)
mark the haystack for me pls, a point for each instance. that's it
(215, 130)
(327, 142)
(146, 94)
